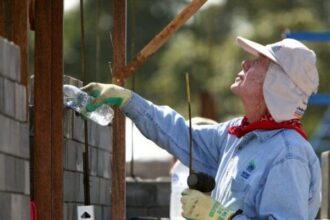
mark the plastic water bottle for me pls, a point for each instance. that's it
(179, 177)
(77, 100)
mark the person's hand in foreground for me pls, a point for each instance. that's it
(198, 206)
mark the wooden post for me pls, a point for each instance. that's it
(14, 27)
(118, 196)
(48, 139)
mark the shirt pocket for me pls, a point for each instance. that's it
(238, 188)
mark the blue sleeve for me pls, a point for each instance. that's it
(169, 130)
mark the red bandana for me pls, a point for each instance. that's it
(266, 123)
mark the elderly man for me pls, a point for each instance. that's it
(263, 165)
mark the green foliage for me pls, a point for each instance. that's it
(205, 47)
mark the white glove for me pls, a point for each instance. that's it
(198, 206)
(109, 94)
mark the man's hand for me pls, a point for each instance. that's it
(198, 206)
(109, 94)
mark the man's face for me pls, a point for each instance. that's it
(249, 82)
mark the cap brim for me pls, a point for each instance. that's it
(255, 48)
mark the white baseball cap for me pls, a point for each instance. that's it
(291, 78)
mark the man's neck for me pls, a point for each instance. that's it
(254, 112)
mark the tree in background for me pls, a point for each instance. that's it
(205, 47)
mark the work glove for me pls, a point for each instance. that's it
(198, 206)
(109, 94)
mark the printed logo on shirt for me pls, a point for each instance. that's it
(175, 178)
(248, 170)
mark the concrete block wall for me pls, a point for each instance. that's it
(100, 142)
(14, 137)
(149, 198)
(143, 198)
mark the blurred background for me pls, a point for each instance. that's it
(205, 47)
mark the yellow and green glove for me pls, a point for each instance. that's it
(109, 94)
(198, 206)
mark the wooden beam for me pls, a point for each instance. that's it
(2, 18)
(48, 139)
(118, 195)
(161, 38)
(57, 108)
(42, 146)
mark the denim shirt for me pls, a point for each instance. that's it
(268, 174)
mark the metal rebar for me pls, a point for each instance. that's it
(83, 72)
(190, 129)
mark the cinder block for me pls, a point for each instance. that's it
(14, 137)
(99, 136)
(93, 139)
(10, 170)
(106, 212)
(74, 155)
(159, 212)
(15, 62)
(65, 211)
(24, 140)
(13, 206)
(325, 165)
(78, 128)
(95, 189)
(73, 187)
(2, 174)
(80, 148)
(163, 193)
(2, 56)
(140, 194)
(98, 212)
(132, 212)
(69, 185)
(20, 103)
(80, 183)
(104, 134)
(93, 161)
(10, 60)
(20, 175)
(105, 195)
(70, 211)
(20, 207)
(9, 98)
(68, 122)
(5, 140)
(6, 58)
(27, 177)
(103, 164)
(2, 93)
(5, 204)
(14, 175)
(65, 154)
